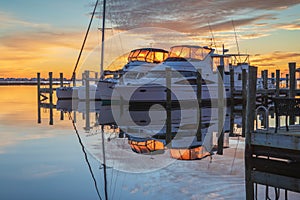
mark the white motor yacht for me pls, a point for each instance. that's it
(140, 61)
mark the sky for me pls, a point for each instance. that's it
(42, 36)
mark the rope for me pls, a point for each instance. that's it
(85, 38)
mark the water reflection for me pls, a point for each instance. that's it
(142, 147)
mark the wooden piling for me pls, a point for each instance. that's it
(168, 107)
(87, 100)
(231, 101)
(287, 81)
(277, 82)
(199, 100)
(292, 71)
(61, 79)
(74, 79)
(51, 98)
(265, 87)
(244, 100)
(249, 126)
(39, 96)
(220, 110)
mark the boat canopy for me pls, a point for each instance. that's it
(151, 55)
(145, 145)
(189, 52)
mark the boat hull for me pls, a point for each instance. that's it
(158, 93)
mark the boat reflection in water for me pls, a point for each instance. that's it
(143, 128)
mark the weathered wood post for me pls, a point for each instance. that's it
(292, 71)
(273, 78)
(221, 106)
(96, 78)
(277, 82)
(287, 81)
(199, 100)
(87, 100)
(231, 101)
(251, 105)
(51, 98)
(61, 79)
(265, 87)
(39, 96)
(168, 107)
(74, 79)
(61, 83)
(244, 100)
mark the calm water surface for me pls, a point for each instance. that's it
(40, 161)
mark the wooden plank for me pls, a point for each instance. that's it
(286, 154)
(276, 140)
(278, 181)
(275, 166)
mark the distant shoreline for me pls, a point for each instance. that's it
(7, 83)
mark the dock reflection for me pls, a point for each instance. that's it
(133, 133)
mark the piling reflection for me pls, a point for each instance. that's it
(141, 145)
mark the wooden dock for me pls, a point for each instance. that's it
(271, 159)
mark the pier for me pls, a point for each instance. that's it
(271, 159)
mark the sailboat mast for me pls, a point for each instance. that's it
(102, 40)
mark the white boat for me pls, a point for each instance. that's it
(184, 62)
(140, 61)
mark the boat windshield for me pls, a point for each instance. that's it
(187, 52)
(147, 55)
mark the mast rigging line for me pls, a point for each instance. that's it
(85, 38)
(85, 156)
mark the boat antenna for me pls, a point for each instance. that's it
(102, 40)
(212, 36)
(236, 40)
(85, 38)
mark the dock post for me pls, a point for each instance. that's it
(292, 71)
(277, 82)
(220, 110)
(87, 100)
(199, 100)
(265, 87)
(287, 81)
(61, 82)
(39, 96)
(244, 100)
(61, 79)
(96, 78)
(168, 108)
(273, 78)
(74, 79)
(251, 104)
(231, 101)
(51, 98)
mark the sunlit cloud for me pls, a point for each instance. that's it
(275, 60)
(290, 27)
